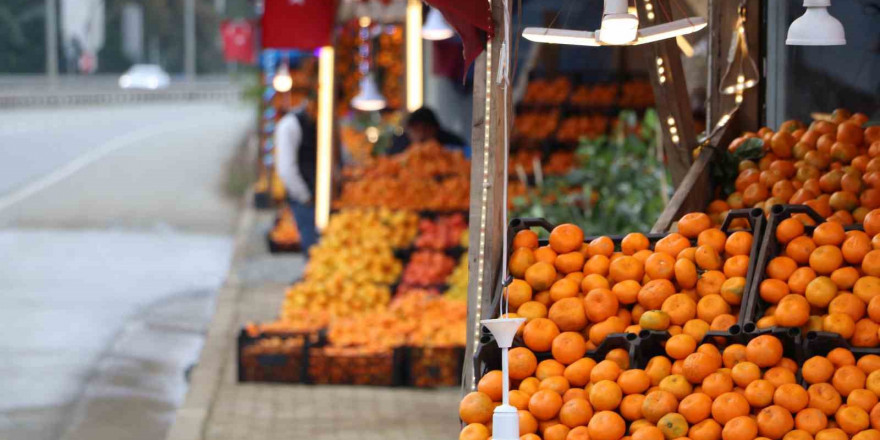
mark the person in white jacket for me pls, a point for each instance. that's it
(296, 164)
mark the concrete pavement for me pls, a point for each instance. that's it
(217, 407)
(115, 236)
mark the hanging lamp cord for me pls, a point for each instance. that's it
(503, 81)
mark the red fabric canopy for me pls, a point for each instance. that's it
(472, 19)
(298, 24)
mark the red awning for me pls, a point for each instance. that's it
(472, 19)
(298, 24)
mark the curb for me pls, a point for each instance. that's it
(191, 417)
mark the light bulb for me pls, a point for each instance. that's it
(282, 81)
(618, 29)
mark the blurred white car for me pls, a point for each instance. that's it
(144, 76)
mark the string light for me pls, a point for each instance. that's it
(649, 8)
(661, 71)
(673, 130)
(481, 262)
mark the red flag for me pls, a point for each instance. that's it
(238, 41)
(298, 24)
(472, 20)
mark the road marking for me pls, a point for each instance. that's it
(83, 161)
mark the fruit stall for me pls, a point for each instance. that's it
(746, 311)
(382, 300)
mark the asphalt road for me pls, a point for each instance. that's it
(114, 236)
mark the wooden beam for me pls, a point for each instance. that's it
(670, 92)
(694, 193)
(486, 193)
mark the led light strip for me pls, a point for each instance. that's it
(661, 71)
(481, 260)
(414, 56)
(325, 137)
(649, 8)
(673, 130)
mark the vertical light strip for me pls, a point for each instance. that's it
(325, 137)
(484, 203)
(649, 7)
(673, 130)
(661, 71)
(414, 69)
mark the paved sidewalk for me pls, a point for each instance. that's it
(219, 408)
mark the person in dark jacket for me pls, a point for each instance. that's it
(421, 126)
(296, 156)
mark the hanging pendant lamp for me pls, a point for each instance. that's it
(619, 28)
(816, 27)
(436, 27)
(741, 72)
(369, 98)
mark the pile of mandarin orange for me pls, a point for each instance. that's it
(828, 280)
(583, 291)
(574, 294)
(740, 392)
(832, 166)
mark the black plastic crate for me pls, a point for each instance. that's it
(820, 343)
(285, 361)
(333, 367)
(430, 367)
(770, 248)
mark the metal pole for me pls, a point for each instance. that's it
(52, 42)
(189, 39)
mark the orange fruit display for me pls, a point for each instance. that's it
(826, 166)
(823, 281)
(748, 392)
(822, 276)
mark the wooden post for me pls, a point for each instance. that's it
(486, 200)
(695, 191)
(670, 92)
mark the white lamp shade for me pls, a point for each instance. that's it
(503, 329)
(436, 27)
(816, 27)
(368, 98)
(282, 82)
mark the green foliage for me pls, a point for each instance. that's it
(726, 166)
(617, 186)
(23, 43)
(22, 36)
